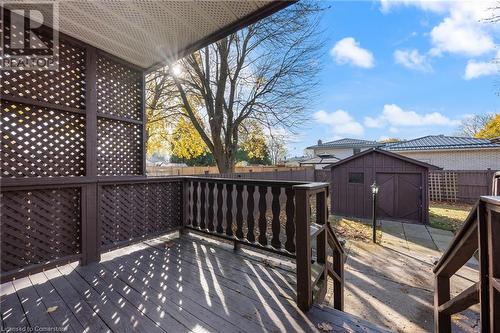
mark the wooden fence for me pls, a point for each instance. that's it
(460, 185)
(158, 171)
(444, 185)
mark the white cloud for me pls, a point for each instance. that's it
(412, 59)
(462, 31)
(475, 69)
(341, 122)
(456, 35)
(348, 51)
(427, 5)
(371, 122)
(396, 117)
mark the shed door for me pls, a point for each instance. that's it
(400, 196)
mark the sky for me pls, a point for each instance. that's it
(402, 69)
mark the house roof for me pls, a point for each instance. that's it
(321, 159)
(384, 152)
(347, 143)
(436, 142)
(149, 33)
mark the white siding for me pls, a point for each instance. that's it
(340, 153)
(471, 159)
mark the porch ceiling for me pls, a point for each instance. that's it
(150, 32)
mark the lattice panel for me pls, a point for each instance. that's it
(138, 210)
(38, 226)
(119, 148)
(40, 142)
(119, 89)
(63, 87)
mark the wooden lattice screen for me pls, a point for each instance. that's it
(443, 186)
(63, 133)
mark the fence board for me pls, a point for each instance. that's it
(459, 185)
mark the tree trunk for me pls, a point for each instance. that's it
(225, 163)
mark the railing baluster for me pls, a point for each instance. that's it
(220, 188)
(239, 211)
(275, 241)
(338, 286)
(229, 209)
(250, 213)
(202, 205)
(262, 215)
(195, 204)
(211, 207)
(290, 224)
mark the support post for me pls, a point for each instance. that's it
(338, 286)
(321, 220)
(303, 249)
(484, 285)
(89, 199)
(442, 322)
(374, 218)
(494, 268)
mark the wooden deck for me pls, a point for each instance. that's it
(186, 284)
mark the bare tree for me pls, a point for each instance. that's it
(470, 126)
(276, 144)
(264, 73)
(495, 19)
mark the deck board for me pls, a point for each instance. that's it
(33, 306)
(87, 317)
(12, 311)
(162, 285)
(59, 311)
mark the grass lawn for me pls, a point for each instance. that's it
(448, 216)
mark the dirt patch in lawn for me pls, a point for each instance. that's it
(448, 216)
(353, 229)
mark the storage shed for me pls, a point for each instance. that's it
(402, 181)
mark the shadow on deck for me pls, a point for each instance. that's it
(186, 284)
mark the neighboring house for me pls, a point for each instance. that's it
(293, 161)
(338, 150)
(450, 152)
(318, 162)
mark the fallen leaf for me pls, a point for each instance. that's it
(268, 263)
(168, 245)
(325, 326)
(52, 308)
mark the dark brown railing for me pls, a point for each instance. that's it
(313, 271)
(50, 221)
(273, 216)
(481, 231)
(258, 213)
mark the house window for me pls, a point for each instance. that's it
(356, 151)
(356, 177)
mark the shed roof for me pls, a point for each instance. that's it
(436, 142)
(384, 152)
(149, 33)
(347, 143)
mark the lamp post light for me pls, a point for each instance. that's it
(375, 189)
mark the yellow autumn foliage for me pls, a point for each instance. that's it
(186, 142)
(491, 129)
(254, 142)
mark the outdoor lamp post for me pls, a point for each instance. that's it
(375, 189)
